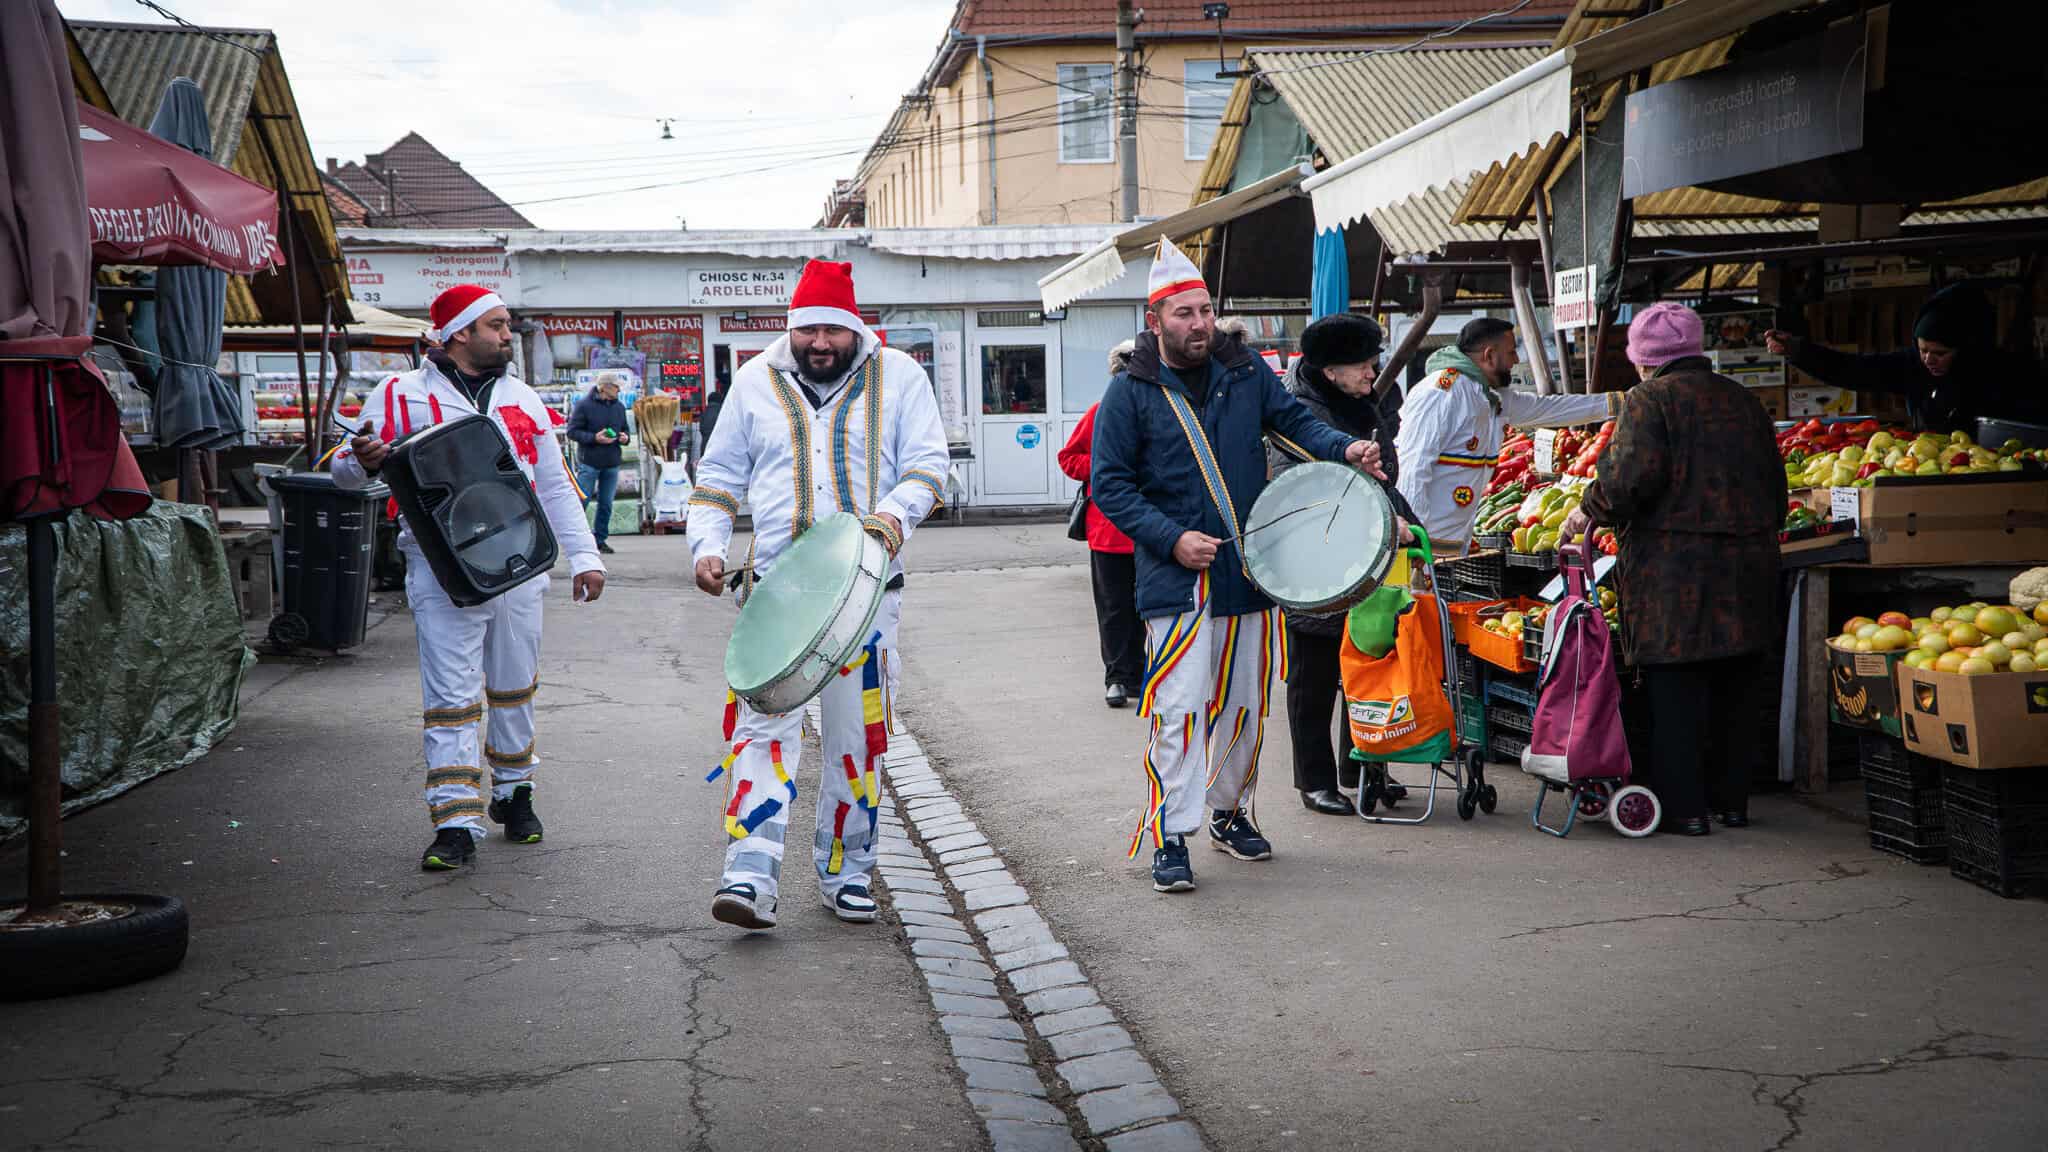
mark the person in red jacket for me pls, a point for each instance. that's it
(1114, 573)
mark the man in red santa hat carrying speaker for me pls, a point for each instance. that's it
(489, 652)
(827, 419)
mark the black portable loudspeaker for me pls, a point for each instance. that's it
(471, 510)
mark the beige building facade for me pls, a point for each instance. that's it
(1020, 127)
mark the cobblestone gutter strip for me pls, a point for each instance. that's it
(1016, 1008)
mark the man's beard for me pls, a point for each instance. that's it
(484, 361)
(1179, 352)
(841, 362)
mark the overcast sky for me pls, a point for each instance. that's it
(545, 99)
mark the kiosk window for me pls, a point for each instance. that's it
(1013, 380)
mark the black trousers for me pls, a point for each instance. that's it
(1115, 577)
(1314, 687)
(1706, 733)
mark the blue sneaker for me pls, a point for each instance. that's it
(1234, 833)
(740, 905)
(1170, 869)
(853, 904)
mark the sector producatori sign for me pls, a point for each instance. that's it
(1572, 297)
(728, 287)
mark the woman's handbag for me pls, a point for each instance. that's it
(1077, 516)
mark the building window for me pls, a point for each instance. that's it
(1207, 94)
(1085, 100)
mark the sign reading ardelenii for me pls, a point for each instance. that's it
(723, 287)
(1785, 106)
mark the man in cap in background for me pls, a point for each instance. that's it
(1178, 463)
(490, 651)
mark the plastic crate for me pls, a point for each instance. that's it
(1997, 828)
(1519, 692)
(1532, 644)
(1909, 848)
(1470, 679)
(1506, 747)
(1497, 541)
(1508, 718)
(1537, 561)
(1481, 576)
(1472, 728)
(1503, 652)
(1886, 758)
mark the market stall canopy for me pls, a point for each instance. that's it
(1522, 112)
(1921, 178)
(367, 328)
(1104, 264)
(149, 201)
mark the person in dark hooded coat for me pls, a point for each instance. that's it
(1954, 375)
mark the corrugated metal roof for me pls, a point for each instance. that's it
(247, 91)
(1504, 192)
(1096, 19)
(136, 61)
(1348, 103)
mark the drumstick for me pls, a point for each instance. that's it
(1275, 520)
(1339, 508)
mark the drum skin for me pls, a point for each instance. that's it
(808, 616)
(1320, 538)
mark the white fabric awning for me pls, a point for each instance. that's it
(1519, 113)
(1103, 265)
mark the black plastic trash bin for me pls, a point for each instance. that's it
(330, 533)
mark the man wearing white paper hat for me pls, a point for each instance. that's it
(489, 652)
(1179, 460)
(826, 420)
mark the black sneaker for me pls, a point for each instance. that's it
(737, 904)
(605, 548)
(1234, 833)
(516, 814)
(1115, 696)
(451, 849)
(1170, 869)
(853, 904)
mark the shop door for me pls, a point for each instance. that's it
(1017, 370)
(729, 352)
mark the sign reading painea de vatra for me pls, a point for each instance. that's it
(1779, 107)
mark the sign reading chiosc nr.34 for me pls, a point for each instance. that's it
(731, 286)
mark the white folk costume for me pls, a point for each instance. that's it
(483, 659)
(873, 442)
(1452, 425)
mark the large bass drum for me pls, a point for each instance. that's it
(808, 616)
(1320, 538)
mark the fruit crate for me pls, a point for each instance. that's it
(1532, 643)
(1503, 652)
(1902, 793)
(1478, 577)
(1508, 718)
(1537, 561)
(1497, 541)
(1997, 825)
(1472, 728)
(1471, 680)
(1505, 747)
(1519, 691)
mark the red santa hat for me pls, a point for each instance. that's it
(458, 308)
(1172, 273)
(824, 295)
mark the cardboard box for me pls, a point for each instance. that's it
(1802, 403)
(1773, 400)
(1863, 690)
(1986, 722)
(1982, 519)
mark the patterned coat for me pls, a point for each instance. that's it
(1693, 485)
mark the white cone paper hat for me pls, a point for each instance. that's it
(1172, 273)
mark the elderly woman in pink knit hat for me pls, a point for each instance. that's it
(1693, 487)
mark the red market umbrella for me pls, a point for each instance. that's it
(149, 201)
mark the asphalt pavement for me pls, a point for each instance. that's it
(1450, 985)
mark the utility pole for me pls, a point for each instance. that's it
(1127, 105)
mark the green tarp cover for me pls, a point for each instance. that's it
(150, 652)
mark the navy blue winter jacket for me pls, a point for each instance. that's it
(1145, 479)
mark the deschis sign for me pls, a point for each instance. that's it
(1786, 106)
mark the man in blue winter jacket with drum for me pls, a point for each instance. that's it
(1178, 462)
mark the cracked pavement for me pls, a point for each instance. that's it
(569, 994)
(1482, 985)
(1454, 985)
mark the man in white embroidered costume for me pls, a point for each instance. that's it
(826, 419)
(490, 651)
(1178, 461)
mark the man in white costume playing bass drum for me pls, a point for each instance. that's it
(489, 653)
(827, 419)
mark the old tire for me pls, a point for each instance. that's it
(37, 963)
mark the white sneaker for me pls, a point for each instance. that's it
(852, 904)
(737, 904)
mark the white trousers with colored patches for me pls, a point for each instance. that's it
(479, 668)
(1206, 692)
(766, 753)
